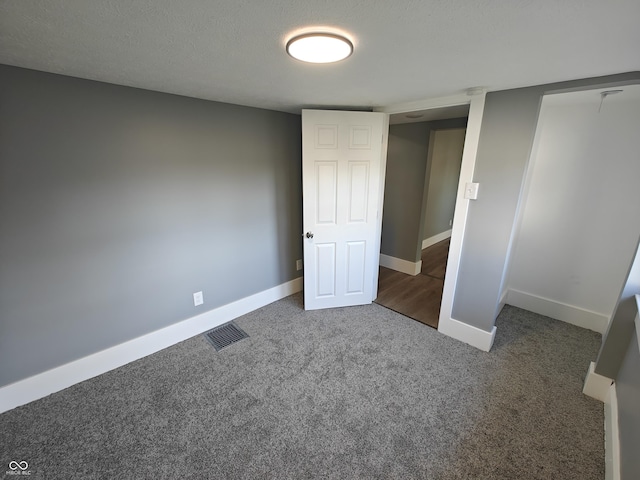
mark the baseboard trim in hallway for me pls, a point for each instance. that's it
(59, 378)
(427, 242)
(400, 265)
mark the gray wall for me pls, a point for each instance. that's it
(116, 204)
(628, 395)
(405, 195)
(580, 148)
(506, 137)
(445, 157)
(404, 187)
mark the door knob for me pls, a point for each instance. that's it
(309, 235)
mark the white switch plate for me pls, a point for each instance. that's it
(198, 299)
(298, 264)
(471, 191)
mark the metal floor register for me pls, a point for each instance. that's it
(225, 335)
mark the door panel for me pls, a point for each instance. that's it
(326, 271)
(356, 256)
(342, 184)
(326, 191)
(358, 191)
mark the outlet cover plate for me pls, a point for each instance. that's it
(198, 299)
(471, 191)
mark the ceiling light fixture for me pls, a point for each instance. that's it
(475, 91)
(605, 94)
(414, 115)
(319, 47)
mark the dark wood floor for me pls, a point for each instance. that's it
(419, 296)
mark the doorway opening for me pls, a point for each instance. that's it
(422, 181)
(577, 229)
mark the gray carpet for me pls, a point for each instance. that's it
(358, 392)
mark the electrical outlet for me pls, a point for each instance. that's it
(471, 191)
(198, 299)
(451, 222)
(298, 264)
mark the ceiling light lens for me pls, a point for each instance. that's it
(319, 48)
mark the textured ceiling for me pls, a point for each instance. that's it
(405, 50)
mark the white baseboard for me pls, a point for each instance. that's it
(467, 333)
(59, 378)
(560, 311)
(400, 265)
(595, 385)
(427, 242)
(611, 436)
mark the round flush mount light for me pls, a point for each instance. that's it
(475, 91)
(319, 47)
(414, 115)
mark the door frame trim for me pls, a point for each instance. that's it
(381, 187)
(447, 324)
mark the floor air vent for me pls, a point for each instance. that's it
(225, 335)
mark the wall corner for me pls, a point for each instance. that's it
(595, 385)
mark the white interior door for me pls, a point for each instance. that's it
(343, 165)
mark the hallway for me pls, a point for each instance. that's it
(419, 296)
